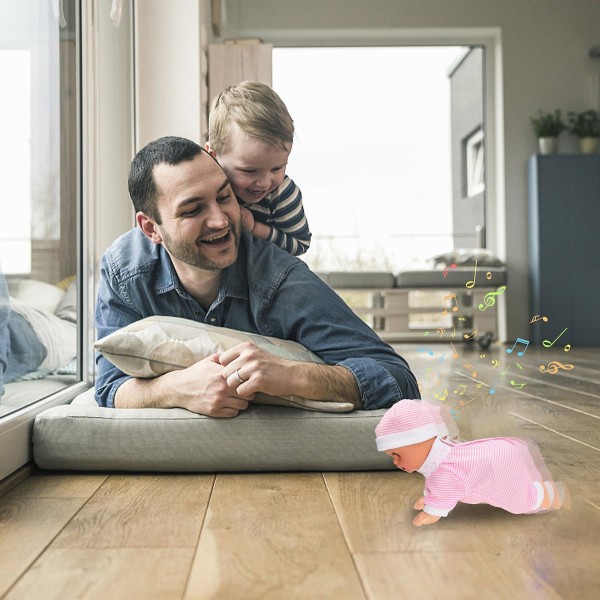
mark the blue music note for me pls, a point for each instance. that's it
(519, 341)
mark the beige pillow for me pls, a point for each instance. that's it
(157, 345)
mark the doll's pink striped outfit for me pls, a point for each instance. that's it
(508, 473)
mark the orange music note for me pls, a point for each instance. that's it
(553, 367)
(454, 308)
(470, 367)
(455, 355)
(471, 336)
(471, 284)
(537, 318)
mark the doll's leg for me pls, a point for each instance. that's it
(420, 503)
(424, 519)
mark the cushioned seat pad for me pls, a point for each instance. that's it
(83, 436)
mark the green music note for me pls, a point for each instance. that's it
(490, 298)
(548, 344)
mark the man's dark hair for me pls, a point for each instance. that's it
(168, 150)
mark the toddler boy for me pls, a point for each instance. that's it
(250, 133)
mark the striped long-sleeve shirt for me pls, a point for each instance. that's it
(283, 212)
(505, 472)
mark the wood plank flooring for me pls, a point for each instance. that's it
(331, 535)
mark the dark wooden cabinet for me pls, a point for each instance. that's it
(564, 248)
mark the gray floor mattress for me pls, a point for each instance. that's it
(84, 437)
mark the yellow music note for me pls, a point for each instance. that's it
(442, 396)
(471, 284)
(517, 385)
(548, 344)
(471, 336)
(459, 390)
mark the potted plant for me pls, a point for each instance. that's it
(586, 126)
(547, 127)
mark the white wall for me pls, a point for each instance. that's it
(544, 64)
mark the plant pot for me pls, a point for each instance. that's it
(588, 145)
(548, 145)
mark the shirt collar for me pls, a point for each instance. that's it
(436, 455)
(234, 279)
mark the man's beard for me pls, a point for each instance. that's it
(192, 253)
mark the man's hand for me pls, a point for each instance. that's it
(200, 388)
(261, 371)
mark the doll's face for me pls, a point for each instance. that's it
(410, 458)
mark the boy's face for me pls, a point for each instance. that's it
(254, 168)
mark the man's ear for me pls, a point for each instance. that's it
(210, 150)
(148, 227)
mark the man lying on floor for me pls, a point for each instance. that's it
(189, 258)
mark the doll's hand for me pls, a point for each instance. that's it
(247, 219)
(420, 503)
(424, 519)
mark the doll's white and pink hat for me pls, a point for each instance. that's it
(413, 421)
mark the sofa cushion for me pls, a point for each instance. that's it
(156, 345)
(82, 436)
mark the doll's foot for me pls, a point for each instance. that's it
(420, 503)
(424, 519)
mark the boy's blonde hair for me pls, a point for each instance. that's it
(257, 110)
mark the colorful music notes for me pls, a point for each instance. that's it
(454, 308)
(430, 352)
(517, 385)
(455, 355)
(492, 390)
(549, 344)
(490, 298)
(471, 336)
(470, 367)
(488, 275)
(471, 284)
(452, 266)
(519, 341)
(461, 389)
(519, 366)
(453, 334)
(554, 366)
(567, 347)
(537, 318)
(495, 362)
(482, 356)
(506, 370)
(441, 331)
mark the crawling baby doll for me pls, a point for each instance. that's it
(509, 473)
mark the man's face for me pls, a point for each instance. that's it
(201, 220)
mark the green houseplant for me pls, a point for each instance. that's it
(547, 127)
(586, 126)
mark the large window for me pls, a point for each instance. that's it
(375, 152)
(40, 320)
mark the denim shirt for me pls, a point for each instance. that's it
(266, 291)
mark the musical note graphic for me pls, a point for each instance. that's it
(495, 361)
(490, 298)
(430, 352)
(454, 308)
(470, 367)
(549, 344)
(426, 333)
(452, 266)
(453, 334)
(482, 356)
(492, 390)
(519, 366)
(554, 366)
(455, 355)
(471, 284)
(567, 347)
(519, 341)
(537, 318)
(460, 391)
(443, 395)
(429, 373)
(506, 371)
(488, 275)
(441, 331)
(517, 385)
(471, 336)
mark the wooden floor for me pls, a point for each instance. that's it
(332, 535)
